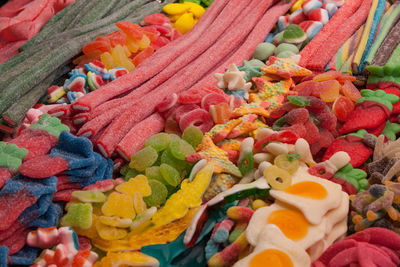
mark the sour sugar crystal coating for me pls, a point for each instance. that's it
(144, 158)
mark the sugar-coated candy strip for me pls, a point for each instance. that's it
(152, 65)
(321, 58)
(388, 45)
(138, 135)
(390, 21)
(330, 28)
(182, 80)
(221, 23)
(246, 49)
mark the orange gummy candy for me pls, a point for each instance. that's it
(221, 113)
(131, 29)
(329, 75)
(349, 90)
(342, 107)
(132, 44)
(117, 38)
(329, 90)
(101, 43)
(139, 58)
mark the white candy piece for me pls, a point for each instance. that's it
(337, 161)
(245, 147)
(277, 148)
(260, 157)
(233, 79)
(264, 132)
(303, 149)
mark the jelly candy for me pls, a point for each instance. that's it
(79, 214)
(121, 59)
(50, 124)
(180, 165)
(108, 60)
(193, 136)
(278, 178)
(11, 156)
(170, 174)
(115, 221)
(144, 158)
(119, 205)
(246, 164)
(342, 107)
(329, 90)
(287, 162)
(350, 91)
(139, 58)
(107, 232)
(153, 173)
(129, 258)
(43, 237)
(220, 113)
(212, 99)
(298, 115)
(137, 184)
(138, 203)
(89, 196)
(142, 221)
(131, 29)
(294, 34)
(180, 148)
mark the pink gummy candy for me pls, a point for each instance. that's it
(212, 99)
(198, 118)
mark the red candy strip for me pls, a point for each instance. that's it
(330, 28)
(183, 79)
(324, 54)
(153, 65)
(138, 135)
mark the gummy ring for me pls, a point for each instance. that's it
(277, 178)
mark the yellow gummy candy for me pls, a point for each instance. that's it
(128, 258)
(196, 9)
(120, 58)
(185, 23)
(297, 5)
(144, 42)
(175, 9)
(138, 184)
(107, 60)
(174, 18)
(111, 245)
(120, 205)
(188, 196)
(132, 44)
(110, 232)
(162, 234)
(115, 221)
(138, 203)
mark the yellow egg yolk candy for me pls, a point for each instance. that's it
(292, 223)
(271, 257)
(308, 189)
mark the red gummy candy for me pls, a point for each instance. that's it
(101, 44)
(131, 29)
(139, 58)
(319, 170)
(366, 115)
(172, 126)
(312, 133)
(346, 186)
(167, 103)
(182, 110)
(282, 110)
(342, 107)
(296, 116)
(284, 136)
(37, 141)
(43, 166)
(299, 129)
(357, 151)
(305, 88)
(316, 104)
(198, 118)
(327, 119)
(64, 195)
(212, 99)
(377, 130)
(156, 19)
(349, 90)
(160, 42)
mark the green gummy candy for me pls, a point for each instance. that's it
(124, 169)
(285, 54)
(193, 136)
(131, 173)
(263, 51)
(50, 124)
(154, 173)
(180, 148)
(78, 214)
(144, 158)
(278, 38)
(89, 196)
(207, 2)
(379, 96)
(11, 156)
(158, 141)
(234, 235)
(287, 47)
(181, 165)
(158, 195)
(294, 34)
(256, 62)
(298, 100)
(170, 174)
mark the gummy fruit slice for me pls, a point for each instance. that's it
(158, 195)
(144, 158)
(180, 148)
(193, 136)
(170, 174)
(158, 141)
(212, 99)
(198, 118)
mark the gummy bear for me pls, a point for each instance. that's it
(119, 205)
(137, 184)
(79, 214)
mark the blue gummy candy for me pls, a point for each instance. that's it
(211, 249)
(237, 93)
(3, 256)
(37, 187)
(36, 210)
(26, 256)
(50, 218)
(77, 151)
(220, 236)
(87, 170)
